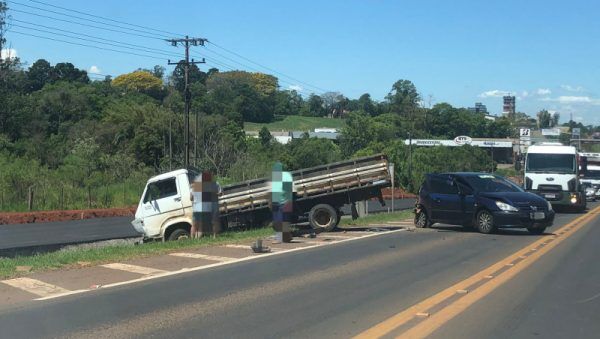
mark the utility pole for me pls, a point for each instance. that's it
(187, 42)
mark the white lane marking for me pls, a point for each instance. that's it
(36, 287)
(248, 247)
(201, 256)
(205, 267)
(312, 242)
(336, 236)
(134, 268)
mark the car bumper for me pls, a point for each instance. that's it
(521, 219)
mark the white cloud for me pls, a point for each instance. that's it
(572, 99)
(94, 70)
(8, 53)
(296, 88)
(571, 88)
(524, 94)
(566, 99)
(543, 91)
(496, 93)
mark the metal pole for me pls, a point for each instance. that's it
(187, 104)
(409, 162)
(393, 186)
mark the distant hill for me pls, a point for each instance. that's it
(296, 123)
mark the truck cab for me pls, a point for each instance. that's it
(552, 171)
(166, 206)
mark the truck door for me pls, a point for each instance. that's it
(162, 200)
(445, 200)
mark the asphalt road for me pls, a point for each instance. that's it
(51, 235)
(47, 234)
(343, 289)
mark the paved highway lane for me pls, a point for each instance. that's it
(337, 291)
(64, 232)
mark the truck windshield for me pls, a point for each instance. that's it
(491, 183)
(551, 163)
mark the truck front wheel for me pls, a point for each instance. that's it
(179, 234)
(323, 218)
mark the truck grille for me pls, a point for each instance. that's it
(550, 188)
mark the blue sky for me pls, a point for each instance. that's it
(544, 52)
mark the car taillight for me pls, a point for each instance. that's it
(528, 183)
(572, 184)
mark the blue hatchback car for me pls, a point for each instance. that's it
(481, 200)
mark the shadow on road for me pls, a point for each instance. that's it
(502, 231)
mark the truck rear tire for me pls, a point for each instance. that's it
(323, 217)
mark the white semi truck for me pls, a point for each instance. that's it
(165, 208)
(552, 171)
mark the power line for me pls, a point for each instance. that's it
(74, 16)
(89, 40)
(95, 37)
(145, 49)
(85, 25)
(85, 45)
(266, 67)
(105, 18)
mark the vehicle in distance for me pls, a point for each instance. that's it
(590, 191)
(165, 207)
(552, 171)
(481, 200)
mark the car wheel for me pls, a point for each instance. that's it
(485, 222)
(422, 220)
(536, 230)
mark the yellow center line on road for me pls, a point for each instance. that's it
(519, 260)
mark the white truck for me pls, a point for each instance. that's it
(165, 208)
(552, 171)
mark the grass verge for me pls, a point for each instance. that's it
(79, 257)
(377, 218)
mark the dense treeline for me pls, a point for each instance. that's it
(78, 142)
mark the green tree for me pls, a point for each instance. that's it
(403, 98)
(265, 136)
(39, 74)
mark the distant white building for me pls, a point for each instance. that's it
(325, 130)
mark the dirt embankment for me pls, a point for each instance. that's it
(46, 216)
(398, 194)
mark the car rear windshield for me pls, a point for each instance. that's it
(491, 183)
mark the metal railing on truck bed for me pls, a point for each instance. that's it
(319, 181)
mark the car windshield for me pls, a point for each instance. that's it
(551, 163)
(491, 183)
